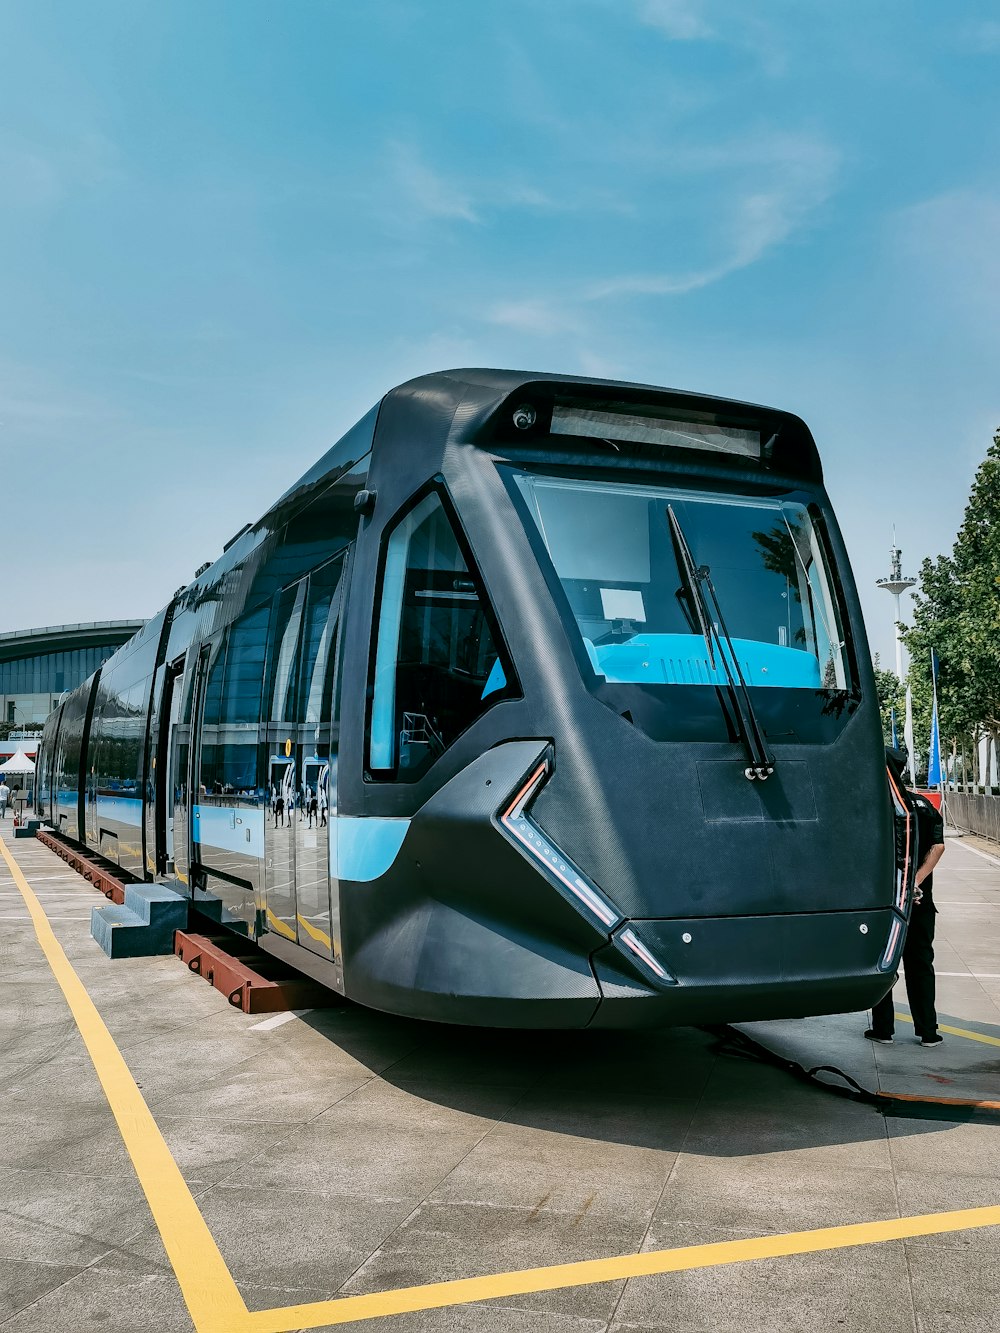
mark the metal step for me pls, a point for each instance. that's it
(144, 925)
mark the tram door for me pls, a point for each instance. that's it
(165, 761)
(312, 857)
(186, 706)
(301, 742)
(279, 845)
(90, 802)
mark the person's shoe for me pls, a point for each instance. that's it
(877, 1036)
(936, 1040)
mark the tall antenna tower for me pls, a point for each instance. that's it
(896, 584)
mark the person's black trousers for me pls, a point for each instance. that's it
(918, 972)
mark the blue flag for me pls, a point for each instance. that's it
(934, 761)
(895, 740)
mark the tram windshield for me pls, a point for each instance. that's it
(611, 547)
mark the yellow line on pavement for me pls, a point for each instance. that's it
(959, 1032)
(212, 1297)
(437, 1295)
(213, 1300)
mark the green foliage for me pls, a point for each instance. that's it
(957, 613)
(891, 694)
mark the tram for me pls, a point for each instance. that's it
(536, 702)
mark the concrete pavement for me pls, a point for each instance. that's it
(347, 1152)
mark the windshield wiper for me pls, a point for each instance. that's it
(761, 764)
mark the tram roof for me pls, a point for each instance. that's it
(468, 405)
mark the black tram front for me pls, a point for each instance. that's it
(620, 725)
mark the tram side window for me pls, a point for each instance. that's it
(245, 670)
(319, 646)
(211, 717)
(118, 735)
(437, 664)
(231, 713)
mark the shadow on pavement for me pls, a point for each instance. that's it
(668, 1089)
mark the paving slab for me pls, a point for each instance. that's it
(98, 1300)
(485, 1318)
(850, 1290)
(439, 1242)
(66, 1218)
(22, 1283)
(955, 1290)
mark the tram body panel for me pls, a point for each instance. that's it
(423, 749)
(467, 921)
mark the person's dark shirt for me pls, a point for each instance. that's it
(930, 833)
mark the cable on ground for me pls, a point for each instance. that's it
(733, 1042)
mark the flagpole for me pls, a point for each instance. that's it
(936, 733)
(908, 736)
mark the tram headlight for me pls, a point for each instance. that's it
(554, 863)
(635, 946)
(515, 820)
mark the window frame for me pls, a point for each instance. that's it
(509, 691)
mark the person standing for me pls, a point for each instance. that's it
(4, 798)
(918, 951)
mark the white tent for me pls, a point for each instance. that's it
(18, 763)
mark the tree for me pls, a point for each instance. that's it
(957, 614)
(977, 556)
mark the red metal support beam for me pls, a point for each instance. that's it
(246, 987)
(88, 866)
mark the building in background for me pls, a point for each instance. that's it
(39, 665)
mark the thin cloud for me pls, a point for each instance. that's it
(948, 244)
(430, 194)
(539, 318)
(32, 401)
(983, 38)
(680, 20)
(799, 177)
(34, 175)
(598, 366)
(433, 196)
(742, 27)
(520, 195)
(28, 179)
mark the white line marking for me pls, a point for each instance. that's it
(45, 879)
(50, 897)
(78, 917)
(278, 1019)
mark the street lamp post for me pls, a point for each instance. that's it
(897, 585)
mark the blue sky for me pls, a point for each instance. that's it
(227, 228)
